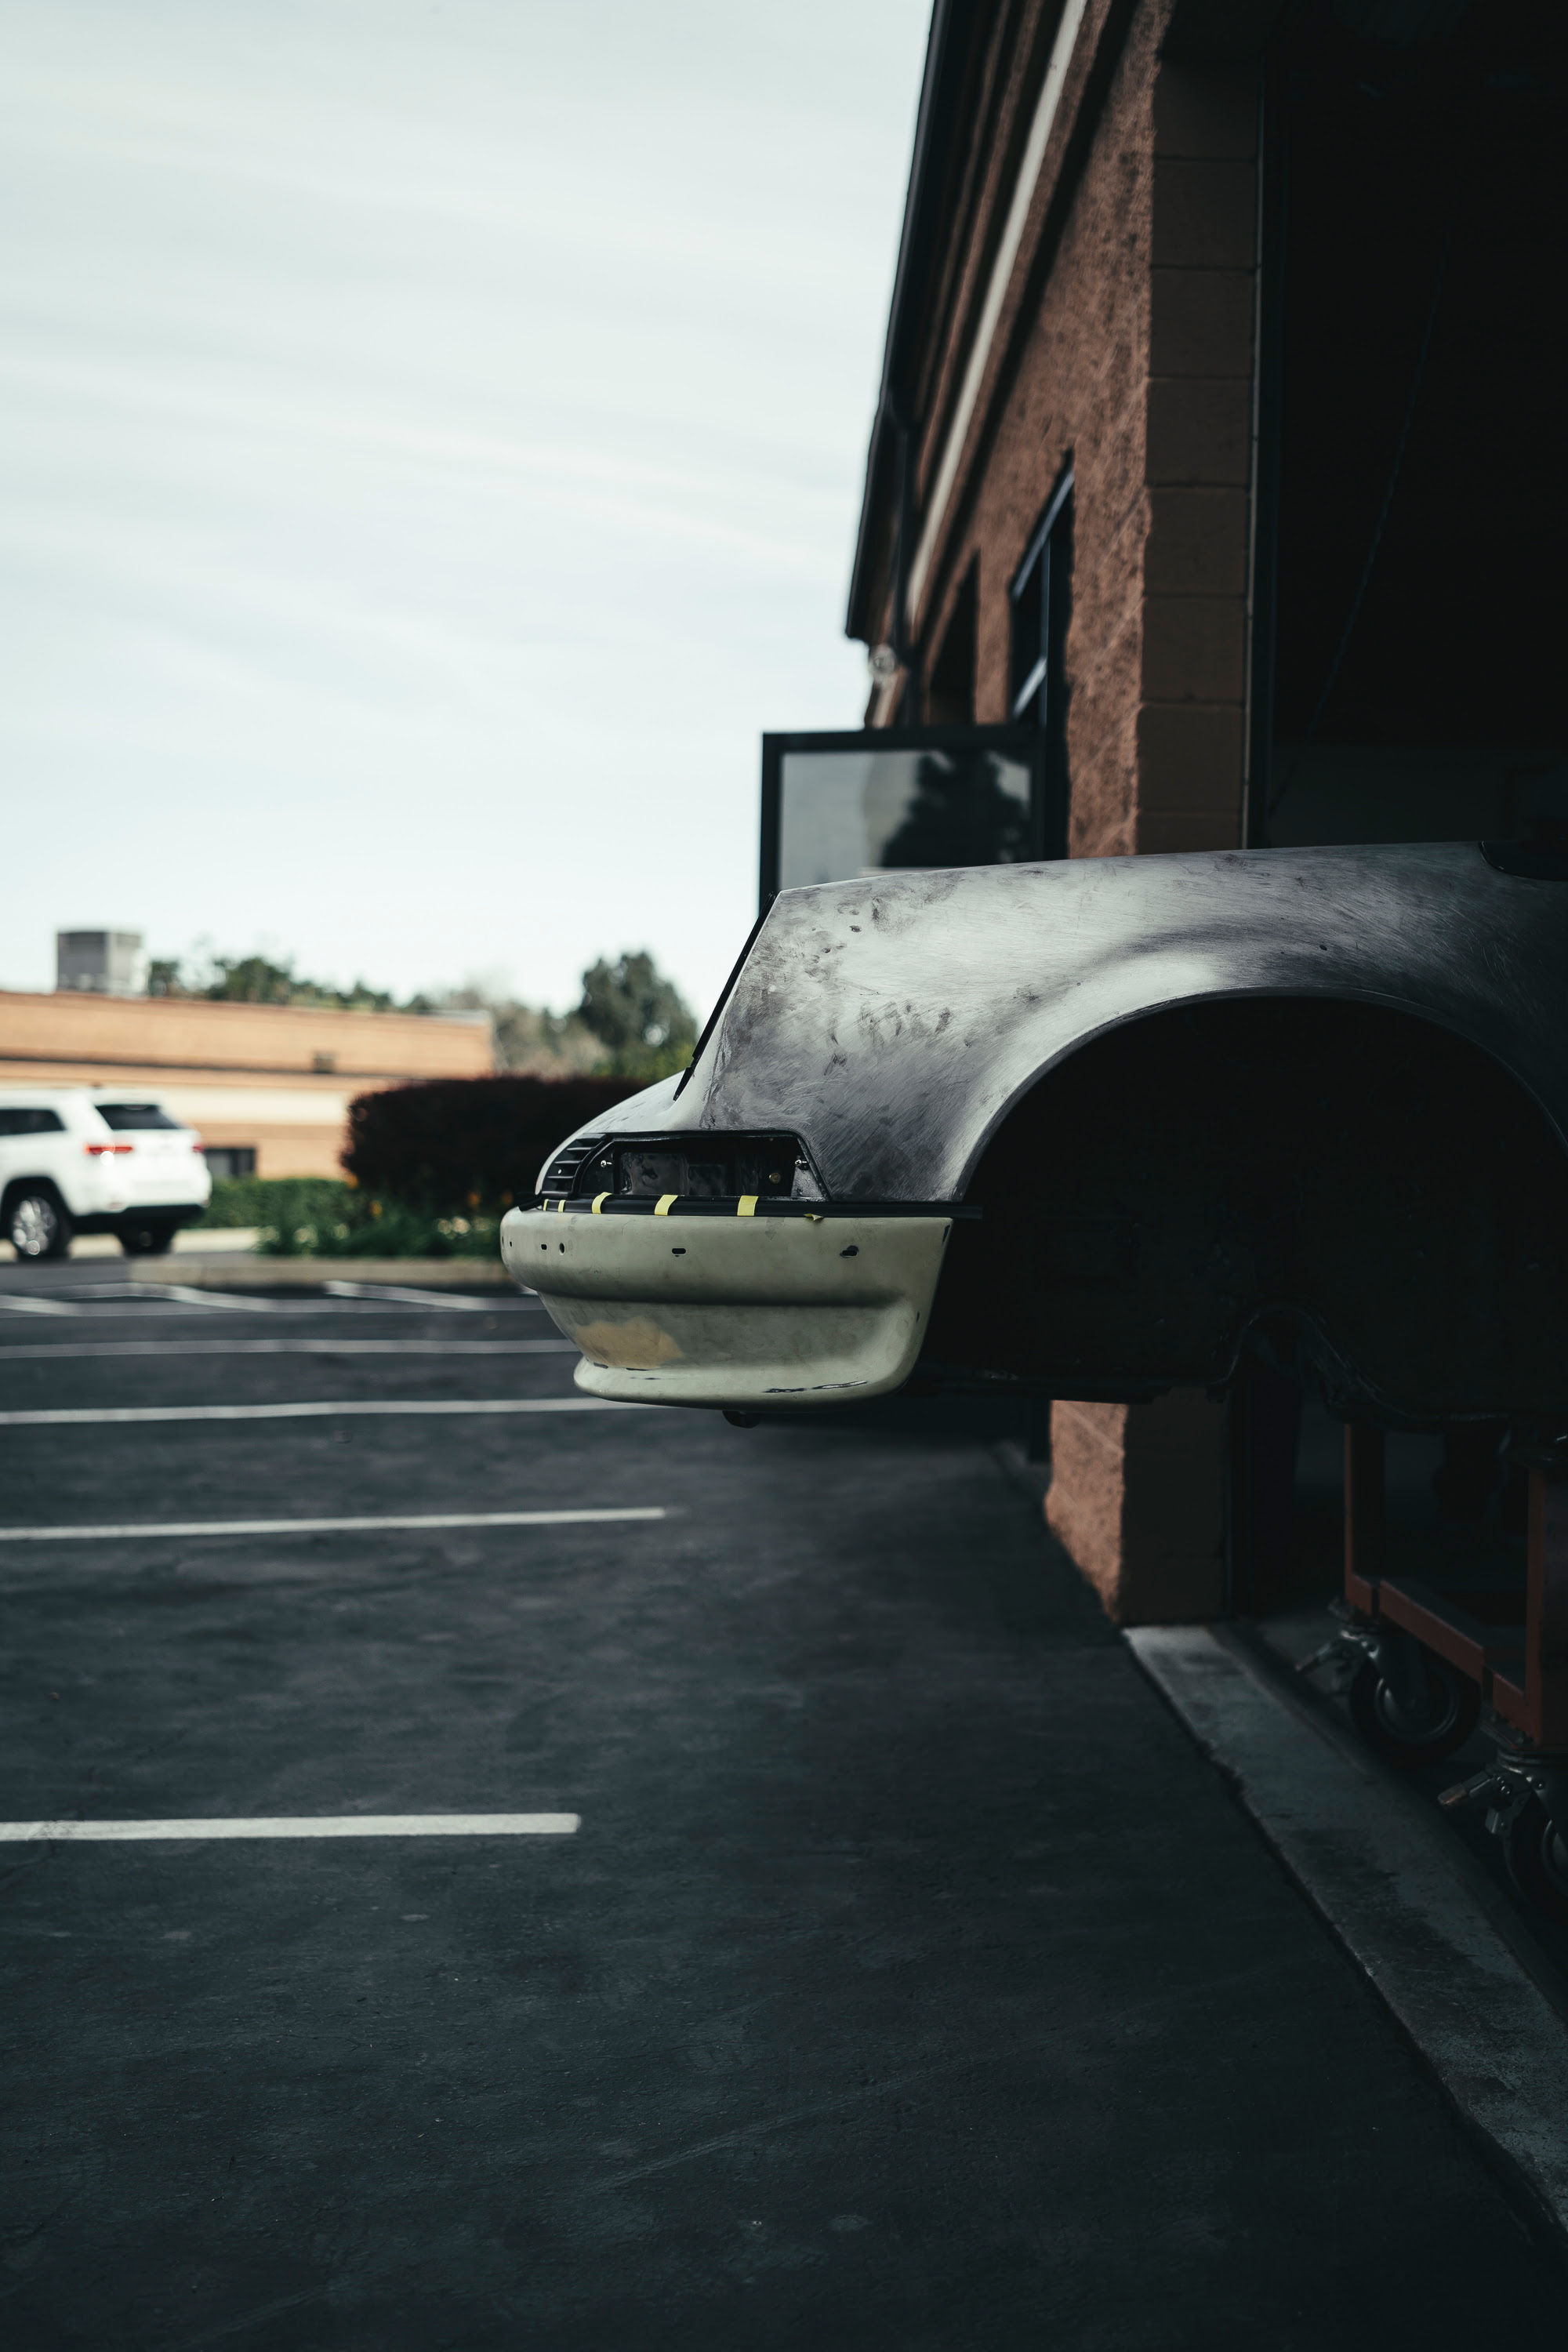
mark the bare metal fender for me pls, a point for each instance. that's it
(1319, 1095)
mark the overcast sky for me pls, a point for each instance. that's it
(431, 440)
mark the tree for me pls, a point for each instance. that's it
(256, 979)
(640, 1018)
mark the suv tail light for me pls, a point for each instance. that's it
(101, 1150)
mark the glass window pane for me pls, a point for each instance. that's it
(121, 1116)
(844, 814)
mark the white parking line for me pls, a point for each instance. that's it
(122, 1306)
(77, 1416)
(410, 1298)
(285, 1825)
(173, 1529)
(73, 1347)
(183, 1294)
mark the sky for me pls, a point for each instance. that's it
(431, 444)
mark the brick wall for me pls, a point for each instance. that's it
(1137, 366)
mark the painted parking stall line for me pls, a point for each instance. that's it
(285, 1825)
(443, 1301)
(135, 1309)
(80, 1416)
(46, 1350)
(175, 1529)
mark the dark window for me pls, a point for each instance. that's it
(231, 1159)
(950, 696)
(838, 807)
(120, 1115)
(1041, 594)
(1042, 603)
(30, 1122)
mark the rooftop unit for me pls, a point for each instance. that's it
(101, 963)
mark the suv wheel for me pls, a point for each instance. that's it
(36, 1224)
(147, 1241)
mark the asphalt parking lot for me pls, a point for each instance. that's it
(910, 1981)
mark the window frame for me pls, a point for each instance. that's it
(1028, 745)
(1044, 678)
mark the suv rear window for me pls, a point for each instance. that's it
(31, 1122)
(120, 1115)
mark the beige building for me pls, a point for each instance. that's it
(266, 1085)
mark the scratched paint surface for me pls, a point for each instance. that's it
(893, 1022)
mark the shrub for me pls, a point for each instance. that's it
(276, 1201)
(316, 1216)
(455, 1147)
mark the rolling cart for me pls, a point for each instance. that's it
(1424, 1664)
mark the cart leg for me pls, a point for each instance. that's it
(1546, 1611)
(1364, 1513)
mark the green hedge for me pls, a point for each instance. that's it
(467, 1146)
(314, 1216)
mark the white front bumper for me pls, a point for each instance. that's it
(732, 1311)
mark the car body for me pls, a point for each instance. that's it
(1098, 1128)
(95, 1159)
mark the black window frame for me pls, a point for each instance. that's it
(1040, 597)
(1029, 746)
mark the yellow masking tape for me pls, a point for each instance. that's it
(599, 1200)
(662, 1208)
(748, 1207)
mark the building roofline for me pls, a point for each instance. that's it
(954, 24)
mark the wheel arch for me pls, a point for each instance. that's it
(1379, 1187)
(1134, 1015)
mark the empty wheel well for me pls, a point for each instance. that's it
(1366, 1181)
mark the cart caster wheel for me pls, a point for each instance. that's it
(1536, 1852)
(1455, 1706)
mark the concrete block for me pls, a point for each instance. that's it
(1204, 114)
(1201, 323)
(1206, 215)
(1193, 648)
(1197, 543)
(1199, 430)
(1189, 756)
(1163, 832)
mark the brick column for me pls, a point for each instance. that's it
(1191, 751)
(1137, 1497)
(1137, 1493)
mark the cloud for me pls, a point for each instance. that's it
(430, 446)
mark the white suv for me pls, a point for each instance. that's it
(95, 1159)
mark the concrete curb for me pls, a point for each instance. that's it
(1388, 1886)
(236, 1273)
